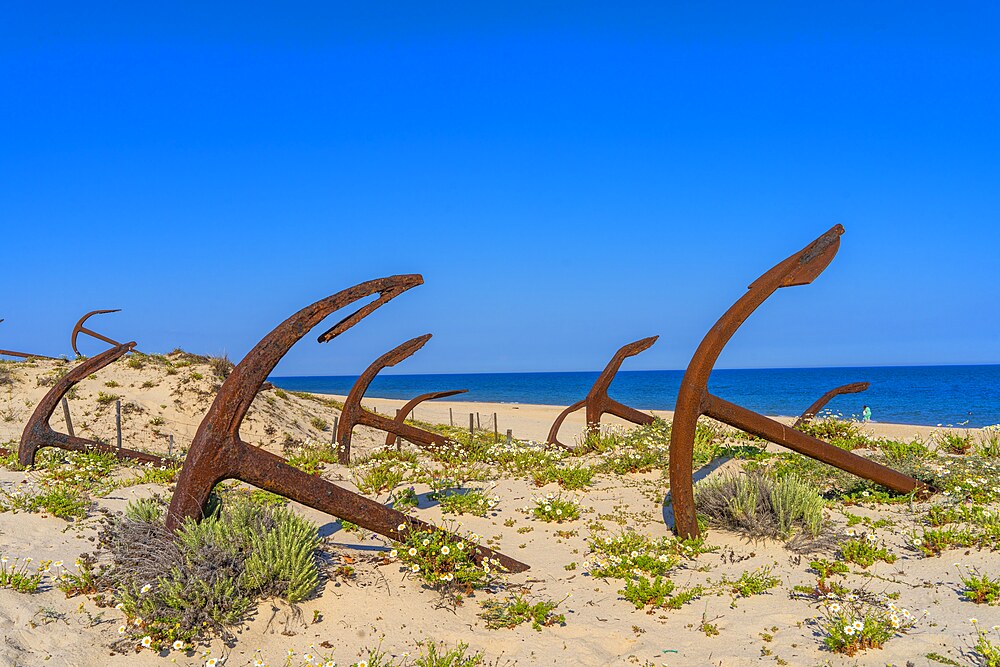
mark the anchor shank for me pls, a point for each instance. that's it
(776, 432)
(270, 472)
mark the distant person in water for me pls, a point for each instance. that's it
(866, 414)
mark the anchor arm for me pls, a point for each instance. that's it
(414, 402)
(352, 413)
(812, 410)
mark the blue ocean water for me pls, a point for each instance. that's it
(927, 395)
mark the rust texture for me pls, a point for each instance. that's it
(353, 414)
(694, 400)
(38, 433)
(598, 402)
(810, 412)
(217, 452)
(80, 329)
(23, 355)
(412, 403)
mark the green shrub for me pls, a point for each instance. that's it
(209, 574)
(756, 503)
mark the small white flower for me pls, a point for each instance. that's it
(145, 589)
(178, 645)
(412, 551)
(445, 550)
(147, 641)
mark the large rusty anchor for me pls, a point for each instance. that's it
(693, 398)
(598, 402)
(353, 414)
(217, 452)
(414, 402)
(80, 329)
(38, 434)
(810, 413)
(23, 355)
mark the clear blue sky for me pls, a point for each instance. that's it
(567, 178)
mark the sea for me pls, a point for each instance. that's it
(926, 395)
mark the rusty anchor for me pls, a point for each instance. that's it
(598, 402)
(414, 402)
(693, 398)
(38, 434)
(353, 414)
(80, 329)
(217, 452)
(811, 412)
(23, 355)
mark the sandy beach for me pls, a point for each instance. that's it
(382, 604)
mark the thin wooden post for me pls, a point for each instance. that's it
(399, 444)
(170, 445)
(69, 420)
(496, 434)
(479, 424)
(510, 437)
(336, 427)
(118, 421)
(451, 417)
(472, 428)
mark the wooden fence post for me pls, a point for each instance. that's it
(118, 421)
(69, 420)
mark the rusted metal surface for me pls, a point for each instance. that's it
(694, 400)
(353, 414)
(80, 329)
(810, 412)
(412, 403)
(38, 433)
(217, 452)
(598, 402)
(23, 355)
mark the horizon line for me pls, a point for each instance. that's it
(659, 370)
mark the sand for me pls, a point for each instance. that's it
(385, 606)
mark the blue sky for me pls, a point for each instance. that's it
(567, 178)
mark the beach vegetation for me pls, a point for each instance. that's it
(552, 507)
(472, 501)
(18, 574)
(572, 477)
(759, 504)
(841, 433)
(517, 609)
(954, 443)
(865, 551)
(980, 588)
(106, 399)
(753, 582)
(447, 565)
(207, 576)
(989, 442)
(630, 553)
(319, 423)
(987, 652)
(657, 593)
